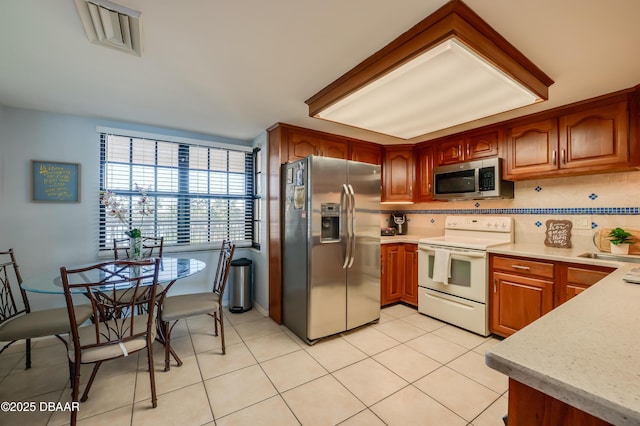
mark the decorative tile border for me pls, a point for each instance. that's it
(624, 211)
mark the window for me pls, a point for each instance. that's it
(257, 203)
(200, 194)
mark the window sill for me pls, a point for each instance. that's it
(169, 250)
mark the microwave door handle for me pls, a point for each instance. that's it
(476, 175)
(353, 225)
(344, 203)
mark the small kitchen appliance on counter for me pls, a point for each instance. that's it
(387, 232)
(399, 222)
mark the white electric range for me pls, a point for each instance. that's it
(460, 295)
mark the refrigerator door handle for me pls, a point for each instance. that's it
(353, 225)
(345, 201)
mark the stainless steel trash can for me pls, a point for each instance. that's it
(241, 283)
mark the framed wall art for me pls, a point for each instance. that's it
(55, 182)
(558, 233)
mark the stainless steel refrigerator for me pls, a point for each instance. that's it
(331, 246)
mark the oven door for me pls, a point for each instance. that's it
(468, 272)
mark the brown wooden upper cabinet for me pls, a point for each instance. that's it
(596, 137)
(589, 140)
(398, 173)
(474, 146)
(450, 151)
(424, 172)
(532, 149)
(366, 152)
(302, 144)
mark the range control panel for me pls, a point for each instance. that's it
(479, 223)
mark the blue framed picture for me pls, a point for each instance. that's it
(55, 182)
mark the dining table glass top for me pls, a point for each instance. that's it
(171, 269)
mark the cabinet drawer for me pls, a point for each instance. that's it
(526, 267)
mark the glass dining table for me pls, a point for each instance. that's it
(171, 270)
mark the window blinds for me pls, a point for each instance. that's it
(200, 195)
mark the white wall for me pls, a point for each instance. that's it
(46, 236)
(2, 159)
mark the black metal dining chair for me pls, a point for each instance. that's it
(174, 308)
(18, 322)
(119, 328)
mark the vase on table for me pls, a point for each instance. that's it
(135, 248)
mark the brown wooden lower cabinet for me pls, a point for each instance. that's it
(574, 279)
(518, 301)
(528, 407)
(410, 288)
(523, 289)
(399, 273)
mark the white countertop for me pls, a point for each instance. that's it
(409, 238)
(540, 251)
(413, 239)
(586, 352)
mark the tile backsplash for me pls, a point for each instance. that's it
(590, 202)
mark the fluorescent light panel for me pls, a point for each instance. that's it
(448, 85)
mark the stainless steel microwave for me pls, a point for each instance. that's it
(472, 180)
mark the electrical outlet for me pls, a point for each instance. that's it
(582, 222)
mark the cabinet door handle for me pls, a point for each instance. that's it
(563, 157)
(429, 189)
(526, 268)
(495, 282)
(554, 154)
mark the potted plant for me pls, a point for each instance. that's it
(116, 207)
(620, 240)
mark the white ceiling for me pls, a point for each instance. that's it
(235, 67)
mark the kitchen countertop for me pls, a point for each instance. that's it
(413, 239)
(540, 251)
(586, 352)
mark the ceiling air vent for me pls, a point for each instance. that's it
(111, 25)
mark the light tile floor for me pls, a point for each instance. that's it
(409, 369)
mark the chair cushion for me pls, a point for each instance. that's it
(87, 335)
(47, 322)
(189, 305)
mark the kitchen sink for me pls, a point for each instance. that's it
(611, 257)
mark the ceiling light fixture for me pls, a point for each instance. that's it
(109, 24)
(449, 69)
